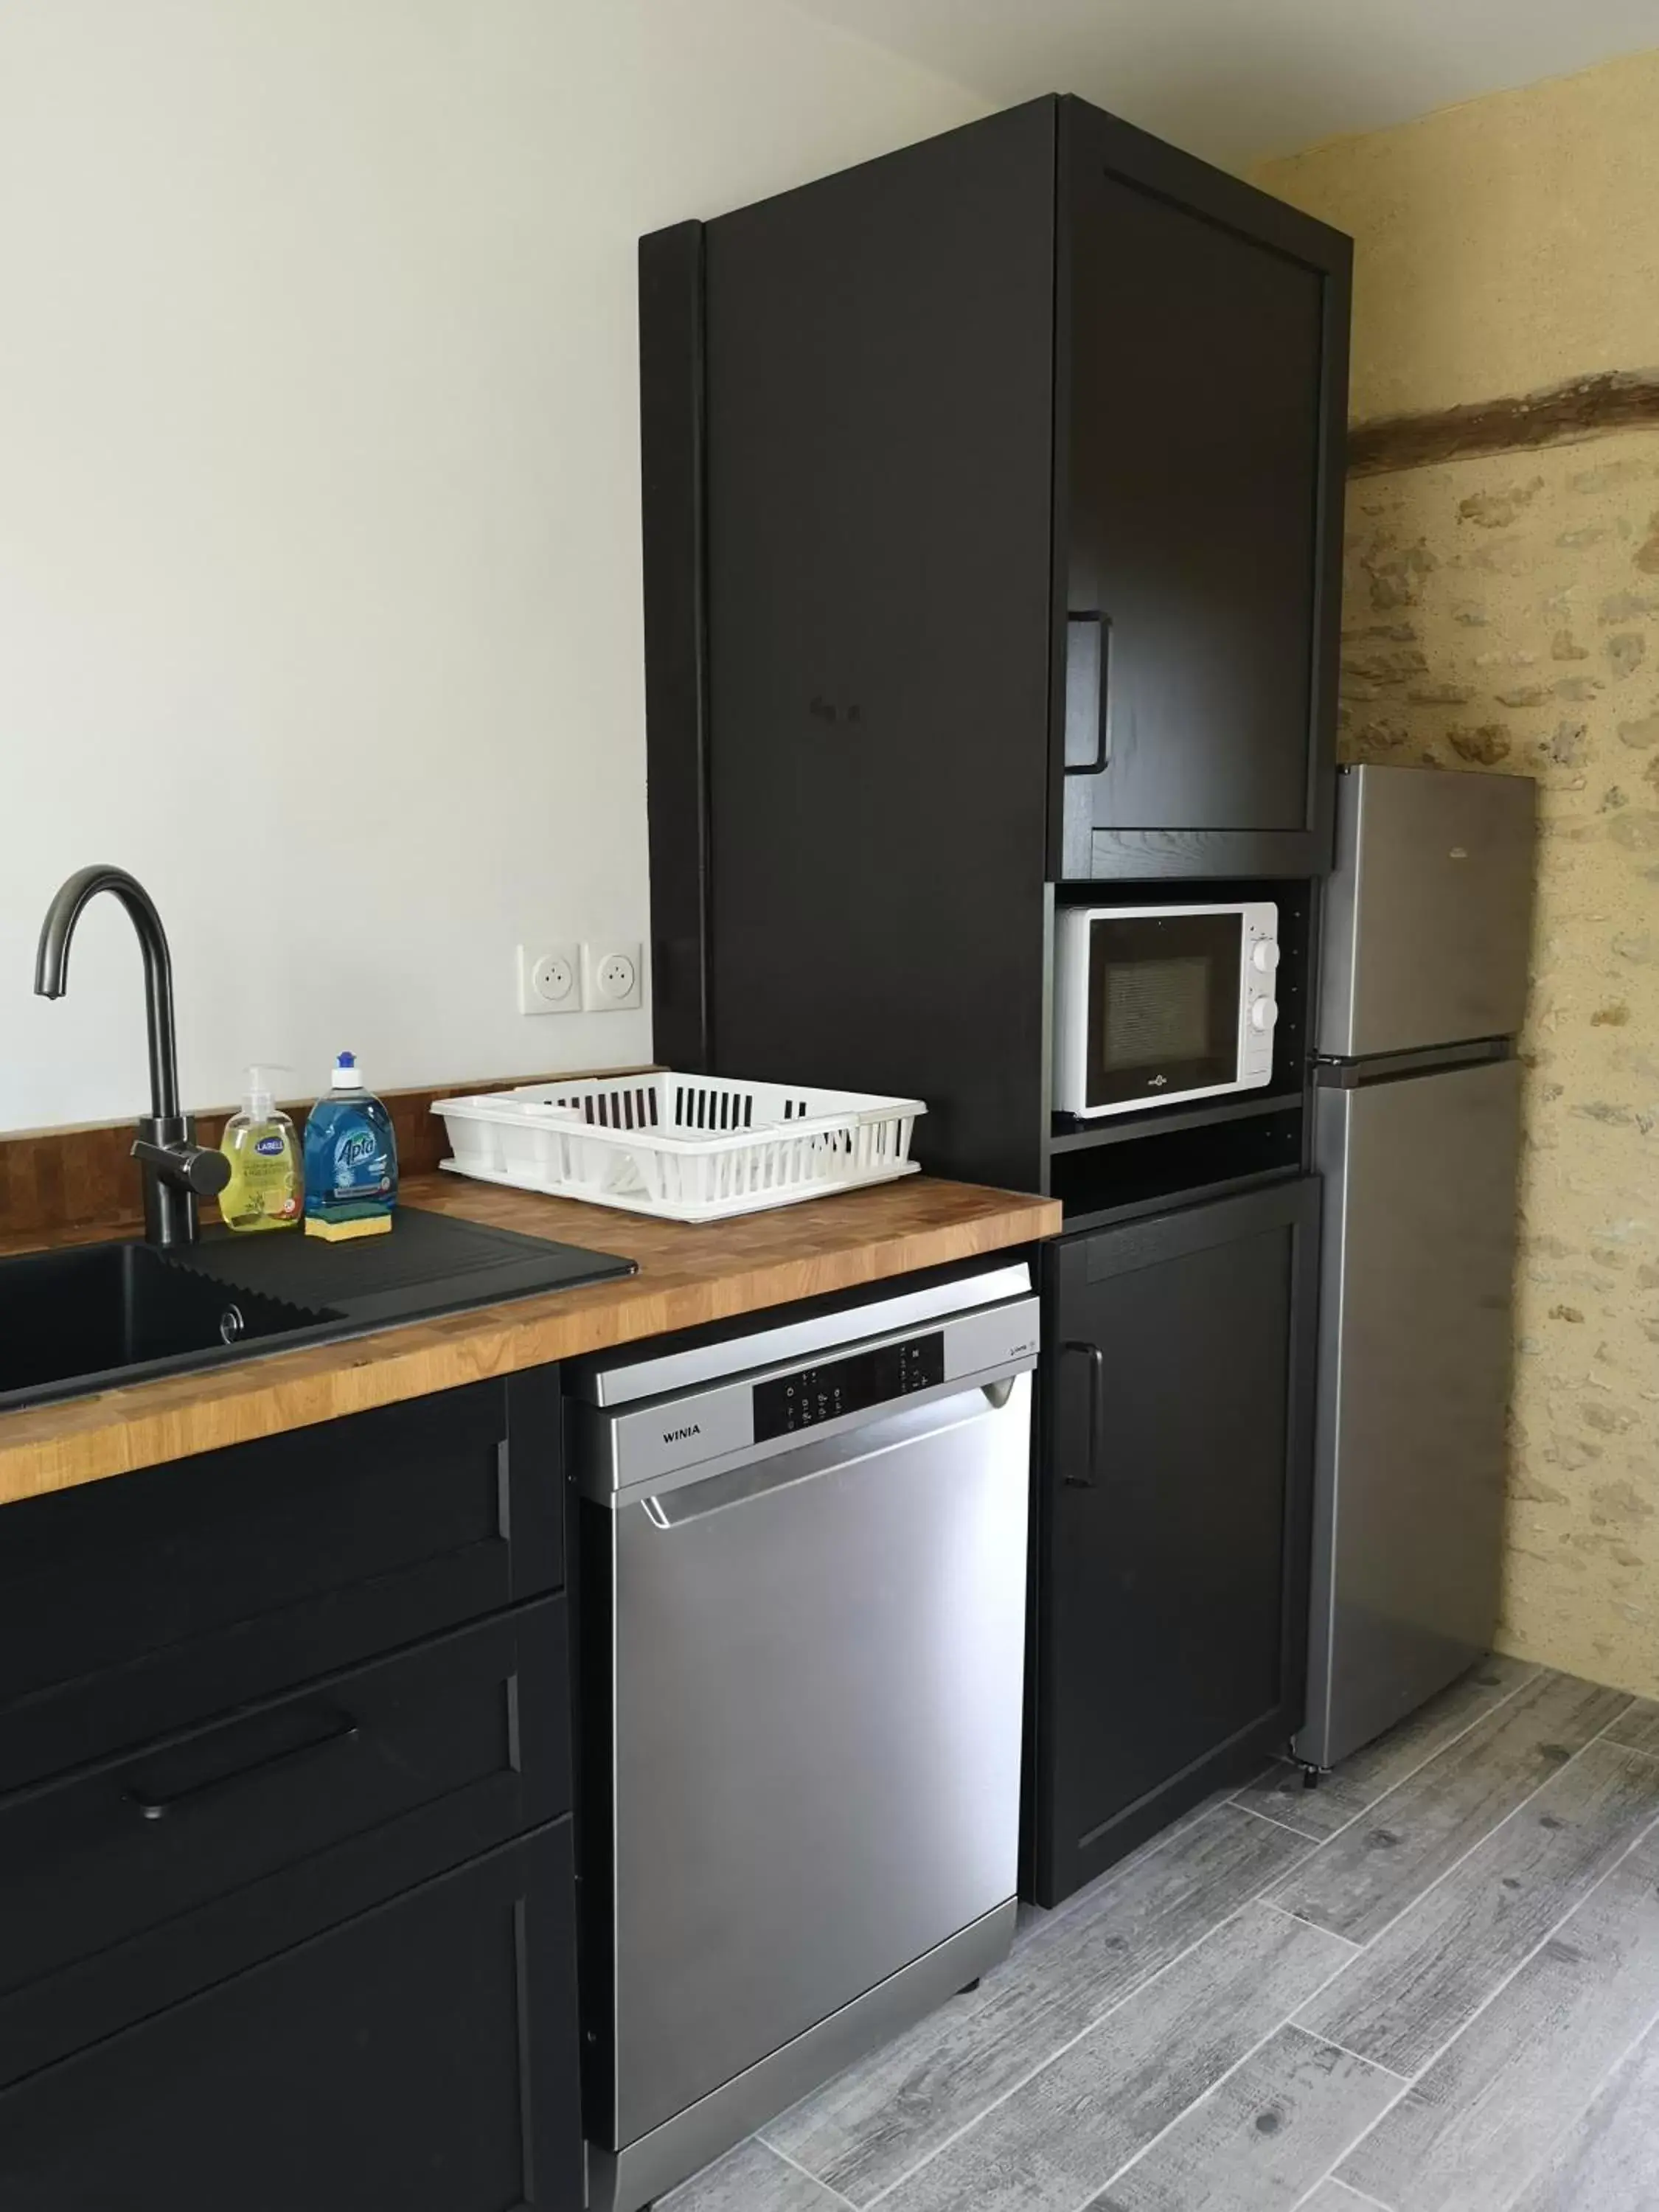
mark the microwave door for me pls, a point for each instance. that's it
(1163, 1007)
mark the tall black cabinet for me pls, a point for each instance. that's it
(993, 498)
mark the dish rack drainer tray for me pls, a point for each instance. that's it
(683, 1147)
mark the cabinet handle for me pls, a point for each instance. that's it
(345, 1730)
(1088, 691)
(1096, 1359)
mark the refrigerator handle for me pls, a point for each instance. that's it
(1096, 1359)
(1331, 1073)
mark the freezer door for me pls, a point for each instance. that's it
(1429, 914)
(1413, 1388)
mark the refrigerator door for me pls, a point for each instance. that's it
(1429, 914)
(1415, 1373)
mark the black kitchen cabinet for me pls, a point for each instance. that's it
(285, 1791)
(420, 2057)
(1170, 1631)
(992, 497)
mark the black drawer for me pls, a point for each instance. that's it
(135, 1606)
(422, 2056)
(140, 1880)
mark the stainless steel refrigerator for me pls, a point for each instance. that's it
(1417, 1133)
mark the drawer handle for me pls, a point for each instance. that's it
(157, 1808)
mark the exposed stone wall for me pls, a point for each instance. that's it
(1503, 613)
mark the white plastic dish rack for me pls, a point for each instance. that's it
(683, 1147)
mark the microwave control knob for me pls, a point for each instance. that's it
(1264, 957)
(1264, 1014)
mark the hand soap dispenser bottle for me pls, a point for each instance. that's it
(266, 1186)
(351, 1159)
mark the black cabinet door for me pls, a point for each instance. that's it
(1174, 1517)
(1200, 497)
(422, 2057)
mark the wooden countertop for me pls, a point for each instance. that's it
(688, 1276)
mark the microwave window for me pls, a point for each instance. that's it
(1164, 995)
(1157, 1011)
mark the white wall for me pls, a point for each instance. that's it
(319, 590)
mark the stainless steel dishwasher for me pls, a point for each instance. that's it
(803, 1597)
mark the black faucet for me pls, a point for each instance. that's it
(176, 1170)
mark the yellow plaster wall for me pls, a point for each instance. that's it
(1505, 244)
(1505, 613)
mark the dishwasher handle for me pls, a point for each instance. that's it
(753, 1475)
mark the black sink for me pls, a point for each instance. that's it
(95, 1316)
(80, 1319)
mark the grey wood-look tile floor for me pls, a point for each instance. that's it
(1430, 1985)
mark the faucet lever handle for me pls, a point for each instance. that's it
(198, 1168)
(206, 1171)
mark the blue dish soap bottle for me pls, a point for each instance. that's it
(351, 1159)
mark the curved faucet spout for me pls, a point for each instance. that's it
(52, 969)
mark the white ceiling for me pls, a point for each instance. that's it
(1235, 79)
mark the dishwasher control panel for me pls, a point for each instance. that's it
(758, 1409)
(785, 1403)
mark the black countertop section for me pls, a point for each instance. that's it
(92, 1317)
(428, 1264)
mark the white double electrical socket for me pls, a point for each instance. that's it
(610, 977)
(602, 977)
(550, 982)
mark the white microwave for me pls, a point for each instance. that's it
(1156, 1003)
